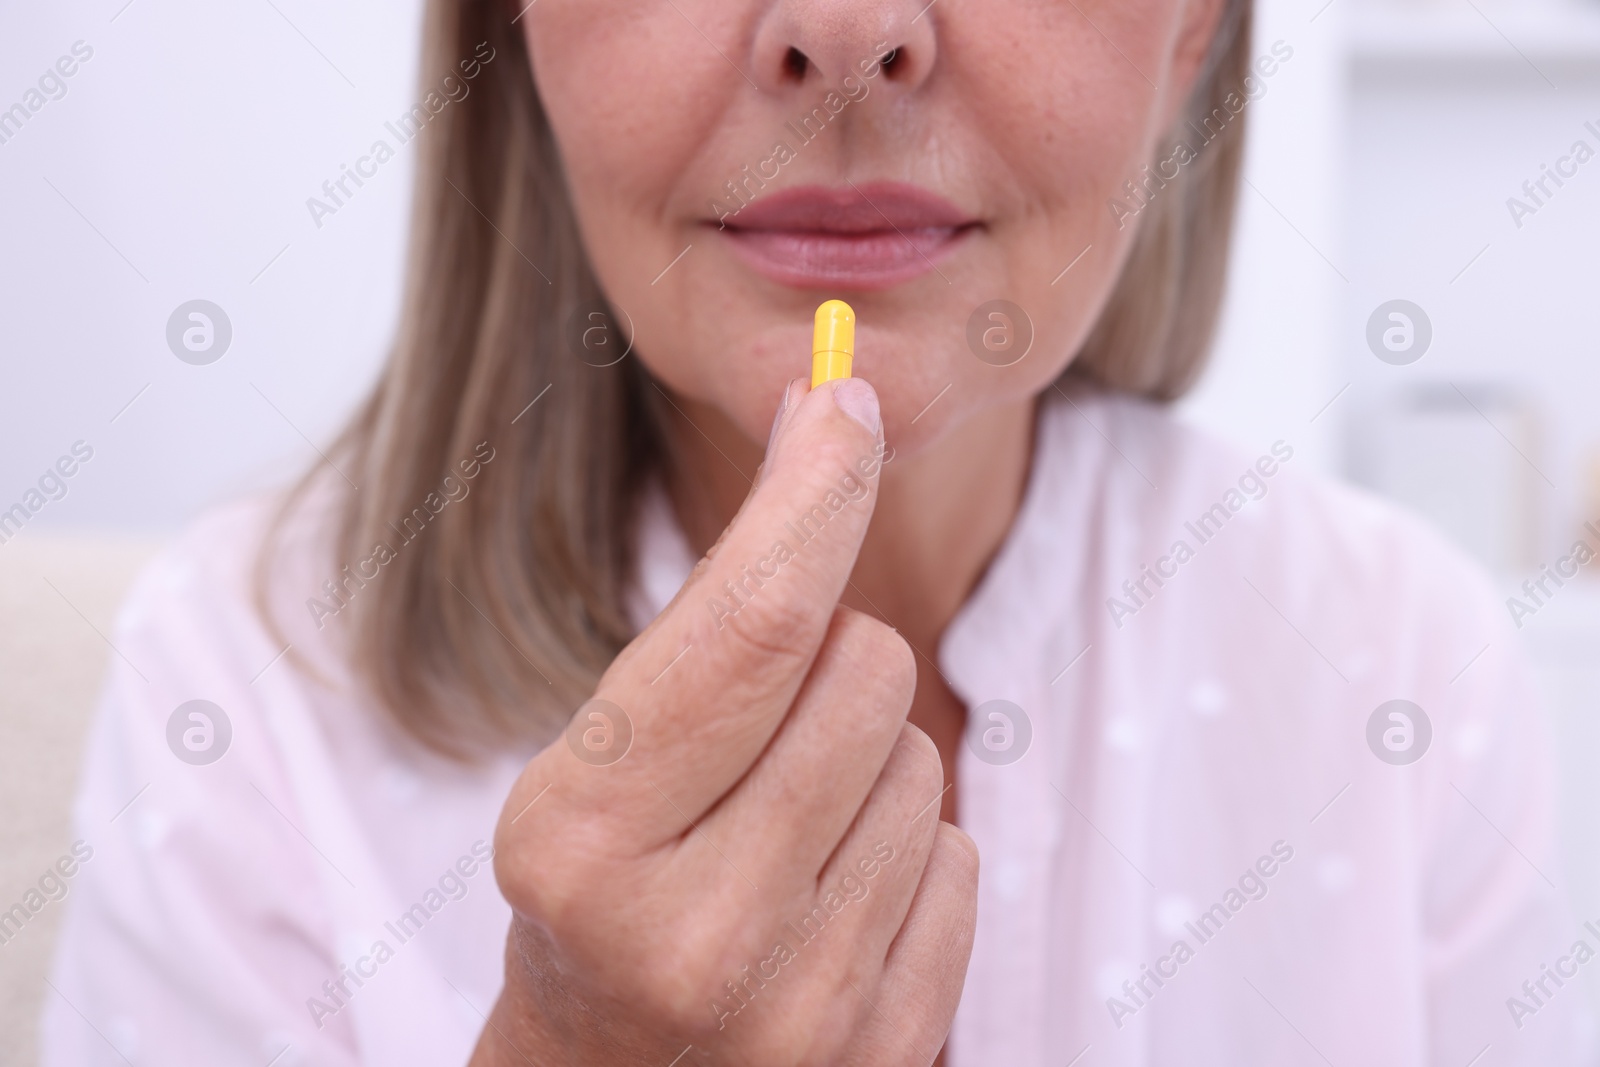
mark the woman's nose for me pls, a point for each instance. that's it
(821, 42)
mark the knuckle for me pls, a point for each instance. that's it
(519, 869)
(919, 751)
(771, 627)
(897, 663)
(685, 978)
(547, 888)
(549, 868)
(699, 990)
(918, 760)
(877, 653)
(960, 854)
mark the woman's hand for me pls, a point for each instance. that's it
(762, 878)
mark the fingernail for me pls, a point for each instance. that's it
(777, 420)
(858, 400)
(772, 435)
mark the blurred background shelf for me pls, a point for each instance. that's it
(1474, 35)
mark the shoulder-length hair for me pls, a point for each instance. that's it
(484, 615)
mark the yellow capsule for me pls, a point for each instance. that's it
(833, 342)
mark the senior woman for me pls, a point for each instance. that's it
(475, 762)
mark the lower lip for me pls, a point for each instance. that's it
(814, 259)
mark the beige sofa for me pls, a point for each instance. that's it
(58, 595)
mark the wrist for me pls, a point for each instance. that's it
(540, 1021)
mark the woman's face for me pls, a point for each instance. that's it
(733, 163)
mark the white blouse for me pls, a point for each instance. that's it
(1207, 836)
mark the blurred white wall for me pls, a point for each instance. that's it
(1275, 364)
(177, 167)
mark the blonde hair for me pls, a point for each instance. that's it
(497, 620)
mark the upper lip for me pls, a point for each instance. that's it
(850, 209)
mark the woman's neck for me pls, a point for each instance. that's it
(941, 515)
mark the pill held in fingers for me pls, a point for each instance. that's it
(833, 342)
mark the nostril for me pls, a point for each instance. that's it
(890, 60)
(795, 63)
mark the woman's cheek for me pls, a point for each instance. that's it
(601, 70)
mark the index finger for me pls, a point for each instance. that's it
(709, 681)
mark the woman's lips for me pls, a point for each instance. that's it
(872, 236)
(817, 259)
